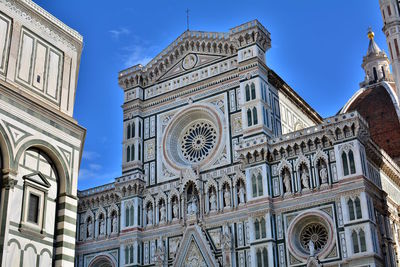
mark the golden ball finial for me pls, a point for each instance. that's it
(370, 33)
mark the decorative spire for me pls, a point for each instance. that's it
(375, 63)
(370, 33)
(373, 48)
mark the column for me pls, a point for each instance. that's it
(169, 210)
(270, 249)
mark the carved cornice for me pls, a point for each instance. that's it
(33, 14)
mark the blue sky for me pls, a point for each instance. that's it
(317, 48)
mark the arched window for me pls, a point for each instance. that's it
(131, 254)
(257, 229)
(247, 92)
(350, 204)
(363, 246)
(127, 216)
(255, 119)
(253, 91)
(131, 213)
(260, 185)
(354, 239)
(358, 208)
(351, 160)
(139, 152)
(259, 258)
(128, 154)
(126, 254)
(133, 129)
(128, 131)
(375, 74)
(139, 216)
(263, 230)
(133, 152)
(249, 119)
(140, 129)
(345, 164)
(262, 257)
(265, 257)
(254, 185)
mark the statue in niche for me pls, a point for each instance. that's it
(189, 207)
(323, 174)
(286, 182)
(311, 247)
(114, 223)
(162, 213)
(150, 216)
(194, 205)
(102, 226)
(213, 201)
(227, 197)
(90, 229)
(175, 209)
(305, 179)
(241, 194)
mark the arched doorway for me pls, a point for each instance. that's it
(101, 261)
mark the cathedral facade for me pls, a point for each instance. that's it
(40, 142)
(224, 164)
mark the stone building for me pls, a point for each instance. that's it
(40, 142)
(224, 164)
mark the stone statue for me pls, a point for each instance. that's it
(323, 174)
(194, 205)
(162, 213)
(311, 247)
(90, 229)
(241, 194)
(227, 197)
(102, 226)
(150, 216)
(286, 182)
(305, 179)
(114, 224)
(213, 201)
(189, 207)
(175, 210)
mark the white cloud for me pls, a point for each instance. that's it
(95, 167)
(115, 34)
(88, 174)
(90, 155)
(137, 54)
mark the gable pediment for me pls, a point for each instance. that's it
(194, 249)
(37, 178)
(190, 62)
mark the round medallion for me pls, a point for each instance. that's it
(189, 61)
(198, 140)
(315, 232)
(193, 137)
(311, 228)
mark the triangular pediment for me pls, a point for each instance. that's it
(188, 62)
(37, 178)
(194, 250)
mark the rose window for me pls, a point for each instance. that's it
(315, 232)
(198, 141)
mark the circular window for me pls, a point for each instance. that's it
(315, 226)
(198, 140)
(315, 232)
(193, 137)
